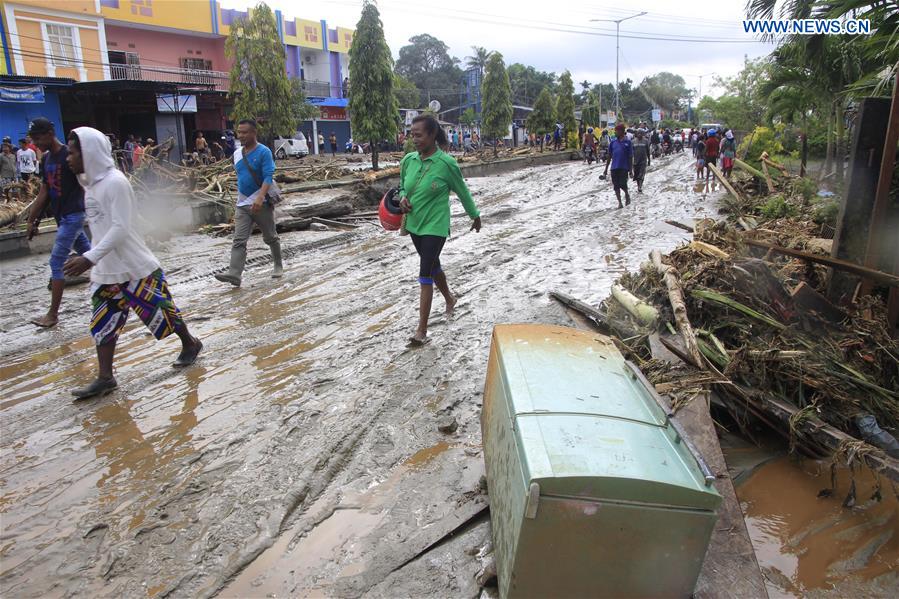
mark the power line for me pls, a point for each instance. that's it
(504, 20)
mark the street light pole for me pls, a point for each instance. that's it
(699, 98)
(617, 52)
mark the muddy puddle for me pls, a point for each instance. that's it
(814, 539)
(306, 433)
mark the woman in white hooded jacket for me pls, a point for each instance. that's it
(125, 274)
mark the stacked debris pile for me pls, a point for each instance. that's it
(743, 308)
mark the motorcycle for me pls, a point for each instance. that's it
(603, 155)
(678, 146)
(666, 148)
(589, 154)
(656, 150)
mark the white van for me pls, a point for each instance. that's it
(295, 147)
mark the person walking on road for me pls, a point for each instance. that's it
(26, 161)
(63, 195)
(255, 167)
(728, 153)
(125, 275)
(321, 143)
(7, 164)
(426, 179)
(621, 159)
(641, 158)
(712, 147)
(332, 139)
(557, 138)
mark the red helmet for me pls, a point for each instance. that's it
(389, 212)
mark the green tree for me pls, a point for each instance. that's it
(260, 87)
(665, 90)
(565, 106)
(373, 109)
(469, 117)
(478, 59)
(526, 82)
(407, 94)
(426, 62)
(541, 120)
(590, 115)
(497, 99)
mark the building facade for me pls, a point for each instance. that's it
(149, 68)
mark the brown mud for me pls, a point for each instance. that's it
(300, 456)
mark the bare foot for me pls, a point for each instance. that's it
(45, 321)
(451, 306)
(419, 339)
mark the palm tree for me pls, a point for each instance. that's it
(478, 59)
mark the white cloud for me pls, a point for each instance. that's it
(540, 33)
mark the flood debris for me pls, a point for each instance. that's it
(747, 295)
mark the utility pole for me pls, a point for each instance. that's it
(617, 52)
(699, 97)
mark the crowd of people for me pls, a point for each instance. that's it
(81, 184)
(19, 163)
(628, 151)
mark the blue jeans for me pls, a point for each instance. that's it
(69, 234)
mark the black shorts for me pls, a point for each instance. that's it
(711, 160)
(428, 248)
(619, 178)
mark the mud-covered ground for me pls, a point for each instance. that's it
(300, 456)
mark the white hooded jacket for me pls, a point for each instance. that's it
(119, 253)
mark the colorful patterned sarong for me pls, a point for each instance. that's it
(149, 297)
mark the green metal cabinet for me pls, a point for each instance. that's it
(593, 490)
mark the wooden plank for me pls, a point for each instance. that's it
(724, 181)
(835, 263)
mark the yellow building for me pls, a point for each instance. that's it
(55, 39)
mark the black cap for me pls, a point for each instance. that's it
(40, 126)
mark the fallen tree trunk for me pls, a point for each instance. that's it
(598, 318)
(642, 311)
(678, 305)
(749, 169)
(724, 180)
(835, 263)
(292, 224)
(323, 210)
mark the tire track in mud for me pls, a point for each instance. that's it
(306, 389)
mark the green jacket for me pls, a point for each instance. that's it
(427, 184)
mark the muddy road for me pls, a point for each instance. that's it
(300, 456)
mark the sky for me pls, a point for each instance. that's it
(554, 35)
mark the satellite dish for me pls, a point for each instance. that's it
(434, 106)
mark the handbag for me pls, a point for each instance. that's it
(273, 196)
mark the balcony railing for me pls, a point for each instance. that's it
(211, 79)
(319, 89)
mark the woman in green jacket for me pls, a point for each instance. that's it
(426, 178)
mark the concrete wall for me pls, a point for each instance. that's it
(159, 49)
(320, 68)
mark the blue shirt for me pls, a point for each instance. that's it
(622, 151)
(261, 159)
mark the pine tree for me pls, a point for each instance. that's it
(496, 94)
(541, 121)
(565, 106)
(374, 112)
(260, 87)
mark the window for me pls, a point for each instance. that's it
(62, 45)
(196, 64)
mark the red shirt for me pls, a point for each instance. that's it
(711, 147)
